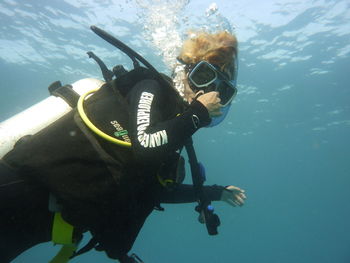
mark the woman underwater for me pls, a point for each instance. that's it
(106, 189)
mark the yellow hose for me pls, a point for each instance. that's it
(92, 127)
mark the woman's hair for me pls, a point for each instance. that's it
(217, 49)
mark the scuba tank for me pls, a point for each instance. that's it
(41, 115)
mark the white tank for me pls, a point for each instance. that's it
(39, 116)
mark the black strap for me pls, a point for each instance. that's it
(195, 169)
(65, 92)
(204, 208)
(90, 245)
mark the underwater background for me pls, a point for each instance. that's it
(286, 140)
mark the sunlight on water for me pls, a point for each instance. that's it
(286, 139)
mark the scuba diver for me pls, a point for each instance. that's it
(108, 163)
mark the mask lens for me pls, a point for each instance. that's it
(226, 91)
(203, 74)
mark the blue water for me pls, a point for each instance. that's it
(286, 140)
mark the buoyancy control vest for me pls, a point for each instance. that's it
(67, 158)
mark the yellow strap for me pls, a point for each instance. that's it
(164, 182)
(92, 127)
(64, 254)
(62, 232)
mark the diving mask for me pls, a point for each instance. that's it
(208, 78)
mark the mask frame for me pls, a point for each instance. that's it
(204, 76)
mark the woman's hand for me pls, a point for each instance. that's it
(233, 196)
(211, 101)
